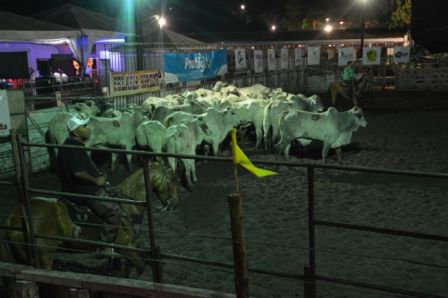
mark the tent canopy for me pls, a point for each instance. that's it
(168, 36)
(80, 18)
(14, 27)
(92, 27)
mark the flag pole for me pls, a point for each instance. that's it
(237, 182)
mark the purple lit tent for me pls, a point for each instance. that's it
(91, 27)
(38, 39)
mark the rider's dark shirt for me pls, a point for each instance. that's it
(71, 161)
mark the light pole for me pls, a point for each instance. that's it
(363, 27)
(138, 33)
(161, 20)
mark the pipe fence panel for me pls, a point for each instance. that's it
(312, 276)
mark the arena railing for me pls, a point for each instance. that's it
(310, 275)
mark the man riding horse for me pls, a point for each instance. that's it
(349, 87)
(347, 76)
(78, 174)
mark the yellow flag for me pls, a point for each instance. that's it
(240, 158)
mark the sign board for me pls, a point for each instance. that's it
(401, 54)
(284, 58)
(345, 55)
(298, 61)
(313, 56)
(183, 67)
(123, 83)
(371, 56)
(258, 61)
(5, 118)
(272, 61)
(240, 59)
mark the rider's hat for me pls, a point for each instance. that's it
(76, 121)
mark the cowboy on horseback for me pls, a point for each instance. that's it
(348, 76)
(78, 174)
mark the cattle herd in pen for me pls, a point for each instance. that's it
(181, 123)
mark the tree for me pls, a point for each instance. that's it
(401, 17)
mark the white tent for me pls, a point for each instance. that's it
(15, 27)
(38, 38)
(91, 27)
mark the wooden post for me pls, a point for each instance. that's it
(239, 246)
(23, 289)
(309, 286)
(78, 293)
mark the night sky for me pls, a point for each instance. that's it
(194, 15)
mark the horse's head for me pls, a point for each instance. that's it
(162, 180)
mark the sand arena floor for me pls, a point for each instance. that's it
(405, 131)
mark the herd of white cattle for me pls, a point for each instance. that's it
(179, 123)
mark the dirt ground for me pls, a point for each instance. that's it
(407, 131)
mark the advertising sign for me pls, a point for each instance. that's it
(123, 83)
(272, 61)
(182, 67)
(401, 54)
(284, 58)
(345, 55)
(5, 118)
(240, 59)
(298, 61)
(313, 55)
(371, 56)
(258, 61)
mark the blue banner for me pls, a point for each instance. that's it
(194, 66)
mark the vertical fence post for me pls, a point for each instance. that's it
(155, 251)
(311, 235)
(25, 209)
(239, 246)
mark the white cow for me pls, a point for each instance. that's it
(276, 107)
(151, 103)
(57, 131)
(161, 112)
(151, 133)
(255, 91)
(87, 107)
(252, 111)
(119, 131)
(183, 139)
(333, 128)
(57, 128)
(219, 124)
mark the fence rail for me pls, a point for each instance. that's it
(310, 275)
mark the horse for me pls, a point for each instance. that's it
(339, 88)
(51, 217)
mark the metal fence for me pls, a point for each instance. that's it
(311, 272)
(419, 74)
